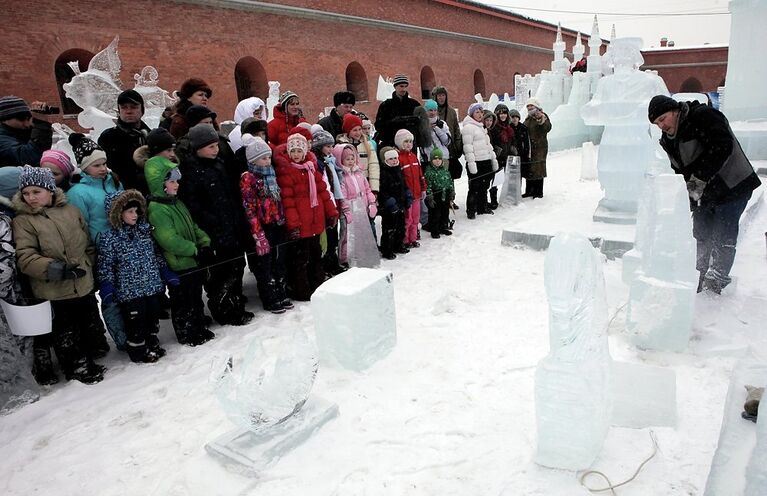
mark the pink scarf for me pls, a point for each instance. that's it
(309, 166)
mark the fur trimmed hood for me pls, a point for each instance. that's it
(59, 200)
(115, 202)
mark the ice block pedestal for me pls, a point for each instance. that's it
(354, 318)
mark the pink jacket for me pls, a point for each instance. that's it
(353, 184)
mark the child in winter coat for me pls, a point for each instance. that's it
(214, 200)
(322, 147)
(355, 189)
(439, 194)
(183, 245)
(308, 210)
(54, 250)
(368, 161)
(61, 167)
(394, 198)
(132, 273)
(411, 170)
(263, 209)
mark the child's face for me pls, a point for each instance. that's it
(488, 121)
(36, 197)
(349, 160)
(436, 162)
(297, 155)
(208, 151)
(98, 169)
(407, 145)
(130, 216)
(170, 154)
(367, 129)
(327, 150)
(294, 107)
(261, 134)
(171, 187)
(264, 161)
(58, 176)
(392, 161)
(355, 133)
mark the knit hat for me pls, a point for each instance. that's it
(192, 86)
(253, 126)
(343, 97)
(534, 102)
(37, 176)
(297, 141)
(400, 79)
(303, 131)
(474, 107)
(159, 140)
(58, 159)
(388, 152)
(130, 96)
(430, 105)
(350, 122)
(401, 136)
(255, 147)
(86, 150)
(435, 153)
(367, 122)
(659, 105)
(173, 174)
(322, 138)
(285, 97)
(514, 113)
(13, 106)
(202, 135)
(196, 113)
(501, 108)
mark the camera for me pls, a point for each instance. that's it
(47, 110)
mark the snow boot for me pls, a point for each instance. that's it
(282, 294)
(153, 344)
(751, 407)
(494, 197)
(42, 369)
(140, 353)
(86, 372)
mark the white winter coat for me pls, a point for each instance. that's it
(476, 144)
(244, 110)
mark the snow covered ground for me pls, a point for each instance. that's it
(450, 411)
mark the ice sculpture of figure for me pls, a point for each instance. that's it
(662, 293)
(100, 85)
(627, 147)
(385, 89)
(572, 383)
(273, 98)
(155, 98)
(524, 87)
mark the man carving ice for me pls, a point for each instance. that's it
(720, 179)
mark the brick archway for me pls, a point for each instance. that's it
(691, 85)
(479, 83)
(357, 81)
(64, 74)
(250, 79)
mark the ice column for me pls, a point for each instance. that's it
(572, 383)
(594, 60)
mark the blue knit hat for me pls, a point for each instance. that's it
(430, 105)
(474, 107)
(42, 177)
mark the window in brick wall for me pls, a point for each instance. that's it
(428, 82)
(357, 81)
(479, 83)
(250, 79)
(691, 85)
(64, 74)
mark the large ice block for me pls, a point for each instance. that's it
(756, 471)
(571, 431)
(643, 395)
(354, 318)
(361, 249)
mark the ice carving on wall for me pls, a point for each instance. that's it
(98, 86)
(155, 98)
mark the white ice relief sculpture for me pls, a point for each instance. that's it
(155, 98)
(99, 86)
(572, 383)
(273, 99)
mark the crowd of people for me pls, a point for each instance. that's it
(149, 218)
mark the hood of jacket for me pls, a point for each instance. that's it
(155, 171)
(21, 207)
(115, 202)
(338, 152)
(141, 155)
(246, 108)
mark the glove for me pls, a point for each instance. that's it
(695, 188)
(347, 211)
(372, 210)
(294, 233)
(59, 271)
(391, 205)
(107, 293)
(169, 277)
(205, 256)
(471, 167)
(331, 222)
(262, 245)
(430, 201)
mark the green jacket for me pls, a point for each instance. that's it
(438, 181)
(174, 230)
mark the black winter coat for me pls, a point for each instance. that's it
(393, 186)
(24, 147)
(332, 123)
(395, 114)
(119, 143)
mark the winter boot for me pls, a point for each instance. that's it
(271, 298)
(140, 353)
(153, 344)
(201, 337)
(435, 234)
(86, 372)
(282, 294)
(494, 197)
(538, 189)
(751, 407)
(529, 188)
(42, 369)
(471, 205)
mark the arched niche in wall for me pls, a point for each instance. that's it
(428, 82)
(691, 85)
(357, 81)
(479, 83)
(250, 79)
(64, 74)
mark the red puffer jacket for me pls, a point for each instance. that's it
(279, 128)
(294, 187)
(411, 170)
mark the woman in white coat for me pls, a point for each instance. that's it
(481, 162)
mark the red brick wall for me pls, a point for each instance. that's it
(307, 56)
(679, 65)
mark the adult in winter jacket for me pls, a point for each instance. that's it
(521, 141)
(702, 148)
(252, 107)
(121, 141)
(441, 138)
(396, 113)
(538, 126)
(23, 137)
(502, 138)
(287, 115)
(481, 162)
(449, 115)
(343, 101)
(194, 91)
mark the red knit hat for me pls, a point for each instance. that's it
(302, 131)
(350, 122)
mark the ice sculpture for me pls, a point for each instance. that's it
(627, 147)
(17, 387)
(385, 89)
(756, 471)
(273, 99)
(155, 98)
(555, 85)
(643, 395)
(662, 293)
(100, 85)
(354, 318)
(361, 249)
(594, 59)
(572, 383)
(588, 162)
(511, 189)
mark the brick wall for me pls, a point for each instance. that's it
(685, 68)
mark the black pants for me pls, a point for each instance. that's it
(224, 286)
(142, 319)
(479, 183)
(715, 228)
(186, 305)
(439, 216)
(392, 232)
(304, 267)
(71, 321)
(330, 260)
(269, 269)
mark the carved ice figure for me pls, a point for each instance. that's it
(272, 383)
(594, 60)
(662, 292)
(627, 147)
(756, 470)
(361, 248)
(273, 99)
(100, 85)
(385, 89)
(572, 383)
(524, 87)
(155, 98)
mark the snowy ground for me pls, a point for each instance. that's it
(450, 411)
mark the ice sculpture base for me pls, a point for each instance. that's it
(643, 396)
(249, 453)
(614, 216)
(659, 315)
(752, 136)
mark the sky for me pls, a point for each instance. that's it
(678, 20)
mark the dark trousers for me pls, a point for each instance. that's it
(269, 269)
(304, 267)
(186, 306)
(224, 286)
(479, 183)
(439, 216)
(715, 228)
(72, 324)
(142, 320)
(392, 232)
(330, 260)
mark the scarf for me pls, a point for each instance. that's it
(270, 179)
(332, 170)
(351, 171)
(309, 167)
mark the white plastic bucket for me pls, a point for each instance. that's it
(31, 320)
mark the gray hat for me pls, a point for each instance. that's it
(514, 113)
(13, 106)
(322, 138)
(255, 147)
(42, 177)
(400, 79)
(202, 135)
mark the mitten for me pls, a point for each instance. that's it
(55, 271)
(495, 165)
(294, 233)
(423, 195)
(452, 196)
(391, 205)
(73, 271)
(262, 244)
(471, 167)
(695, 188)
(331, 221)
(372, 210)
(107, 293)
(169, 277)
